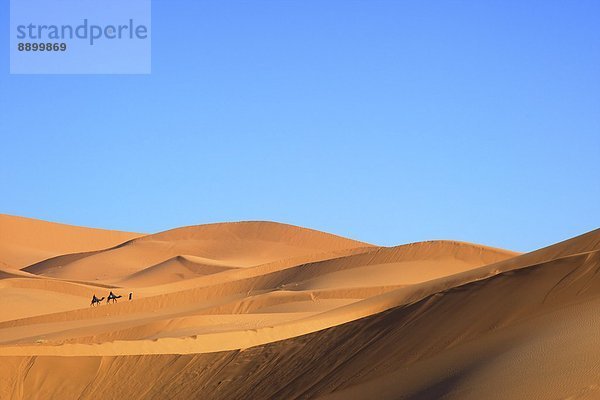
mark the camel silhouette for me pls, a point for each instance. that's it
(112, 297)
(96, 301)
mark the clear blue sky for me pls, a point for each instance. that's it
(385, 121)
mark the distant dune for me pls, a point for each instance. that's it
(24, 241)
(255, 310)
(242, 244)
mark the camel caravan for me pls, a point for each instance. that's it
(111, 297)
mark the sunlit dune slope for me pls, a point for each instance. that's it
(282, 287)
(24, 241)
(265, 310)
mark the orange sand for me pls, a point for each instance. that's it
(255, 310)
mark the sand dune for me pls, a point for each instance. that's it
(241, 244)
(266, 310)
(24, 241)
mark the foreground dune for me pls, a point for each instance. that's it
(266, 310)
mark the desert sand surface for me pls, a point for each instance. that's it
(257, 310)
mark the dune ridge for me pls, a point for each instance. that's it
(270, 310)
